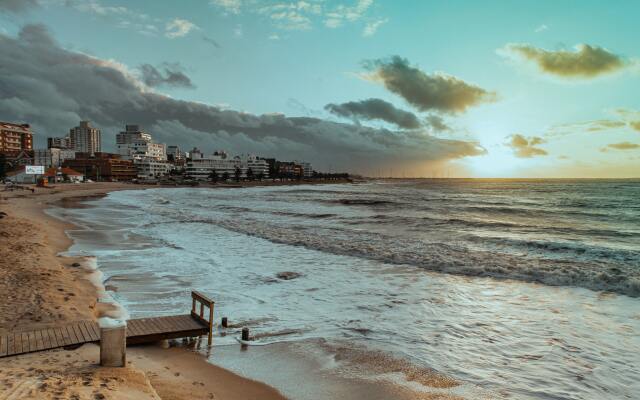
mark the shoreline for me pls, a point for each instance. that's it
(44, 288)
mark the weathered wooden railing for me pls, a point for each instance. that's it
(204, 301)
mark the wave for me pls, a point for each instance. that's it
(616, 275)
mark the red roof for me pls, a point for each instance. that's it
(63, 171)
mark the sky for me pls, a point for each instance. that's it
(403, 88)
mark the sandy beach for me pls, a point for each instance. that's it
(42, 289)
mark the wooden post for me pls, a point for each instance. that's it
(245, 334)
(210, 338)
(201, 309)
(193, 304)
(113, 346)
(225, 323)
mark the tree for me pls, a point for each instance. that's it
(225, 176)
(249, 174)
(260, 176)
(213, 176)
(237, 174)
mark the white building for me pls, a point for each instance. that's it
(307, 169)
(149, 158)
(59, 142)
(149, 168)
(257, 165)
(200, 165)
(85, 139)
(53, 157)
(134, 143)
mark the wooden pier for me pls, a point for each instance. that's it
(141, 330)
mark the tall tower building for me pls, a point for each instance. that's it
(85, 139)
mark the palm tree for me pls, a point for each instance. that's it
(249, 174)
(237, 174)
(225, 176)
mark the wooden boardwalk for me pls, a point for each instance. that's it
(141, 330)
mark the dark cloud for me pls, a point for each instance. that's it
(525, 147)
(585, 62)
(635, 125)
(166, 74)
(624, 146)
(426, 92)
(437, 123)
(18, 6)
(375, 109)
(54, 88)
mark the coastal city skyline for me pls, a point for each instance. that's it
(249, 76)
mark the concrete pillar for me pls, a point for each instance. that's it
(113, 346)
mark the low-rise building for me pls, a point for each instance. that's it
(200, 166)
(52, 157)
(150, 168)
(61, 174)
(258, 166)
(102, 167)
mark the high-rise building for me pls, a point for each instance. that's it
(85, 138)
(52, 157)
(15, 138)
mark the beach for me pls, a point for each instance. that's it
(398, 289)
(43, 289)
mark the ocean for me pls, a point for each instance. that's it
(525, 289)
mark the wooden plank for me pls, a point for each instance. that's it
(25, 342)
(32, 341)
(52, 338)
(3, 345)
(66, 339)
(72, 334)
(46, 342)
(85, 334)
(59, 336)
(95, 335)
(78, 333)
(167, 324)
(18, 342)
(133, 327)
(153, 326)
(39, 340)
(11, 348)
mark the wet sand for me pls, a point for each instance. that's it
(43, 289)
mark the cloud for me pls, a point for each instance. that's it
(524, 147)
(53, 99)
(230, 6)
(541, 28)
(375, 109)
(167, 74)
(426, 92)
(179, 28)
(303, 14)
(437, 123)
(624, 146)
(371, 27)
(18, 6)
(635, 125)
(584, 62)
(621, 118)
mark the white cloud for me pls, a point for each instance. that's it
(238, 32)
(274, 36)
(178, 28)
(372, 27)
(303, 14)
(231, 6)
(541, 28)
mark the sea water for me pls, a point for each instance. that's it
(516, 289)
